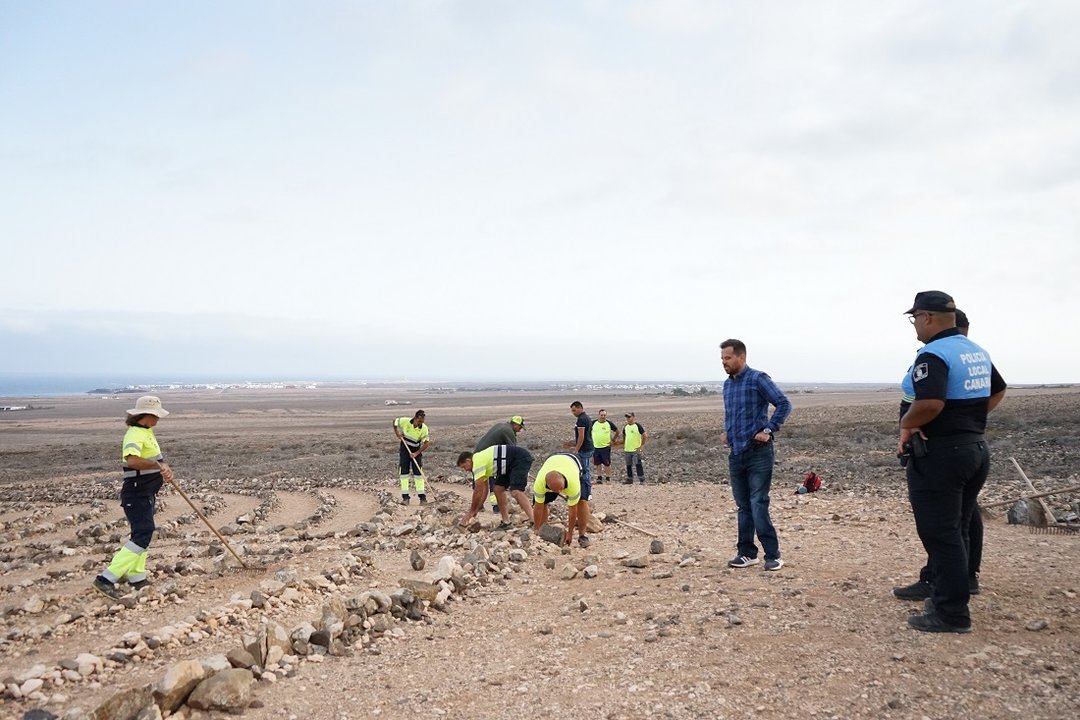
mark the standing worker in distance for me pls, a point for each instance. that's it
(145, 470)
(956, 385)
(603, 435)
(506, 467)
(582, 446)
(561, 475)
(748, 431)
(504, 433)
(634, 438)
(413, 438)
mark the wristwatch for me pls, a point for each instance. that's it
(767, 431)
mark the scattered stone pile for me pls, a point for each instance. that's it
(267, 652)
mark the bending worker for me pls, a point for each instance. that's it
(413, 439)
(561, 475)
(500, 434)
(506, 466)
(144, 471)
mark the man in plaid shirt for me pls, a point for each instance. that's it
(748, 431)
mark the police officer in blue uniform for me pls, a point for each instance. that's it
(955, 386)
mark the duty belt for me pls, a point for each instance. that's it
(958, 439)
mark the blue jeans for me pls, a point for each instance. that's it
(751, 479)
(586, 474)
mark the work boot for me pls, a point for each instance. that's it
(917, 590)
(106, 588)
(423, 498)
(973, 585)
(139, 584)
(932, 623)
(404, 499)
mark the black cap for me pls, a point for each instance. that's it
(962, 319)
(629, 414)
(932, 301)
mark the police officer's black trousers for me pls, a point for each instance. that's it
(973, 541)
(942, 488)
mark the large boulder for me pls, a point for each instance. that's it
(229, 690)
(174, 687)
(124, 705)
(276, 643)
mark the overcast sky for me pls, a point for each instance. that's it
(555, 190)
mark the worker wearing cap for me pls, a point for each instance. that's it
(560, 475)
(921, 589)
(504, 433)
(603, 435)
(145, 470)
(955, 386)
(413, 438)
(506, 467)
(634, 438)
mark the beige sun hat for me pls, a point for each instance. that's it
(148, 405)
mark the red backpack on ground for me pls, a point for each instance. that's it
(812, 483)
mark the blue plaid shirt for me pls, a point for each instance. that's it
(747, 397)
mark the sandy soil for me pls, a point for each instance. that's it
(684, 637)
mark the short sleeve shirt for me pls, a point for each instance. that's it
(567, 466)
(584, 421)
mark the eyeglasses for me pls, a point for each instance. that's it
(912, 316)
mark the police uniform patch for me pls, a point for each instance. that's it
(920, 372)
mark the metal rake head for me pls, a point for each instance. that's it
(1060, 529)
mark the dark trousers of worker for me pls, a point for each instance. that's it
(751, 479)
(973, 541)
(943, 487)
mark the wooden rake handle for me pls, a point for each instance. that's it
(416, 464)
(212, 528)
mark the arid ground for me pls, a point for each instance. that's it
(303, 479)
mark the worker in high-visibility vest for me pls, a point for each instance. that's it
(634, 438)
(603, 434)
(500, 434)
(507, 468)
(560, 475)
(145, 470)
(413, 438)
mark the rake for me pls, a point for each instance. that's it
(1049, 525)
(244, 568)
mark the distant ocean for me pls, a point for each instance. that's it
(20, 385)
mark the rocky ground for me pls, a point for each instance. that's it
(336, 621)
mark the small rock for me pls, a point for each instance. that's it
(640, 561)
(416, 560)
(34, 605)
(1037, 625)
(656, 547)
(569, 572)
(590, 571)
